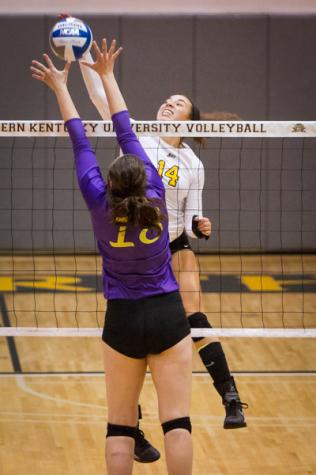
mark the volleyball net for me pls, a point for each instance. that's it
(257, 271)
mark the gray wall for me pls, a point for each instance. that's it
(259, 195)
(259, 66)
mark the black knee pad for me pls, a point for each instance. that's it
(198, 320)
(115, 430)
(180, 423)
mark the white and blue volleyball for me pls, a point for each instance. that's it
(70, 39)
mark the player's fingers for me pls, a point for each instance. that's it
(36, 71)
(67, 67)
(206, 232)
(38, 77)
(117, 52)
(62, 16)
(40, 66)
(112, 47)
(104, 45)
(205, 221)
(48, 61)
(204, 225)
(201, 227)
(97, 49)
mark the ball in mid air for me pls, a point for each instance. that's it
(70, 39)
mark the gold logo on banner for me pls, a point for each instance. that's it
(299, 128)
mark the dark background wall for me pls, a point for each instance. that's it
(260, 66)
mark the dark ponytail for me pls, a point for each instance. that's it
(196, 115)
(216, 115)
(126, 190)
(220, 115)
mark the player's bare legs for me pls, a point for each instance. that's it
(124, 379)
(172, 375)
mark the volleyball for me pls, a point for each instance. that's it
(70, 39)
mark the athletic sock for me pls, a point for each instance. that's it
(214, 360)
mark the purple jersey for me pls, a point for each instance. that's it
(136, 262)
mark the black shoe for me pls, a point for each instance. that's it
(144, 452)
(235, 418)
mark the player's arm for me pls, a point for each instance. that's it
(196, 225)
(95, 88)
(57, 81)
(129, 143)
(88, 173)
(104, 67)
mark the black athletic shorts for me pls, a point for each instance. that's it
(180, 243)
(140, 327)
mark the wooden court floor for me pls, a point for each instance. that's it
(52, 396)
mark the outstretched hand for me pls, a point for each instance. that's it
(105, 58)
(50, 75)
(63, 16)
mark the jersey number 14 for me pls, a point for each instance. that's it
(172, 173)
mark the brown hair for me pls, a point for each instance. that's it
(126, 190)
(196, 115)
(219, 115)
(216, 115)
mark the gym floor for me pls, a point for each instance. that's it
(52, 393)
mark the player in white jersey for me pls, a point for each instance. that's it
(183, 176)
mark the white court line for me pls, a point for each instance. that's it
(86, 415)
(213, 423)
(274, 421)
(195, 417)
(21, 384)
(206, 381)
(150, 418)
(201, 374)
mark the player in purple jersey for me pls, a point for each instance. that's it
(145, 320)
(175, 162)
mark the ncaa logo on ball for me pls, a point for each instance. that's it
(70, 39)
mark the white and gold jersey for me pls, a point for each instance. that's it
(182, 173)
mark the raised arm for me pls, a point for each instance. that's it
(129, 143)
(95, 88)
(89, 176)
(57, 81)
(104, 67)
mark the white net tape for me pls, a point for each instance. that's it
(255, 129)
(216, 333)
